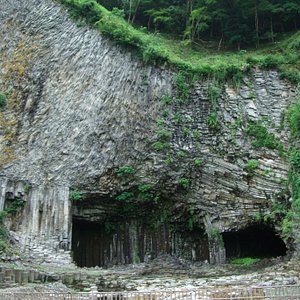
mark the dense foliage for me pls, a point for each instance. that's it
(155, 48)
(230, 22)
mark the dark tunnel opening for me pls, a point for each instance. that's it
(254, 241)
(116, 243)
(89, 243)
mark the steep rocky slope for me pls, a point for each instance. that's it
(87, 120)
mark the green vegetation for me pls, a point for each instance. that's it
(293, 217)
(214, 93)
(185, 183)
(76, 195)
(125, 196)
(190, 224)
(212, 121)
(294, 119)
(262, 137)
(143, 188)
(235, 22)
(15, 207)
(196, 134)
(197, 60)
(178, 118)
(4, 244)
(166, 100)
(182, 86)
(251, 166)
(169, 160)
(3, 101)
(198, 162)
(124, 170)
(159, 146)
(164, 135)
(215, 234)
(27, 188)
(281, 215)
(245, 261)
(182, 154)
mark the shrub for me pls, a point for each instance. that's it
(251, 166)
(262, 138)
(169, 160)
(184, 182)
(213, 92)
(27, 188)
(178, 118)
(124, 170)
(164, 135)
(125, 197)
(3, 245)
(294, 118)
(166, 100)
(159, 146)
(143, 188)
(294, 159)
(3, 101)
(16, 205)
(76, 195)
(286, 227)
(182, 86)
(212, 121)
(185, 132)
(196, 134)
(198, 162)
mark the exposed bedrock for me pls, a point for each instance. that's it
(150, 177)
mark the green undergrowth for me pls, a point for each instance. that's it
(294, 162)
(245, 261)
(156, 49)
(261, 137)
(16, 206)
(76, 195)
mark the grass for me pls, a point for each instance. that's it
(245, 261)
(157, 49)
(251, 166)
(294, 157)
(263, 138)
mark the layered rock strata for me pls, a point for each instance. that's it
(81, 107)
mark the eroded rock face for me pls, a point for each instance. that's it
(85, 107)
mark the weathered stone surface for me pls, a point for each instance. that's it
(86, 107)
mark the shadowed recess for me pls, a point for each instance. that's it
(254, 241)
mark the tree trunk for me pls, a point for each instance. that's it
(149, 23)
(189, 8)
(256, 23)
(220, 43)
(135, 11)
(130, 8)
(272, 31)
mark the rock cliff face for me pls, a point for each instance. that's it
(154, 174)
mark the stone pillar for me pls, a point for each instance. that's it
(3, 184)
(217, 253)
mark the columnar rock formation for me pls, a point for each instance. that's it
(80, 107)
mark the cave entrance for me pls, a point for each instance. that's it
(90, 243)
(111, 243)
(255, 241)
